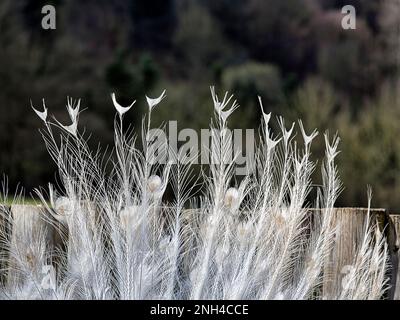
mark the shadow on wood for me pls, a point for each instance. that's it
(393, 238)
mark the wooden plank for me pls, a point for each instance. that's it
(29, 223)
(393, 236)
(4, 239)
(351, 223)
(31, 237)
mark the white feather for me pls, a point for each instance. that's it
(41, 114)
(152, 102)
(73, 112)
(120, 109)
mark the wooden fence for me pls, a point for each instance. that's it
(27, 219)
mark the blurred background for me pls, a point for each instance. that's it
(294, 53)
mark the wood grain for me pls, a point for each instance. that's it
(350, 224)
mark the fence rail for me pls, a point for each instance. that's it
(27, 219)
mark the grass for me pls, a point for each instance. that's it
(26, 201)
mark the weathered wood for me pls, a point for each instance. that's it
(350, 224)
(4, 239)
(29, 224)
(32, 237)
(393, 236)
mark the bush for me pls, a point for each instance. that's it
(249, 80)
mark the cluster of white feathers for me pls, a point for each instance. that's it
(220, 237)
